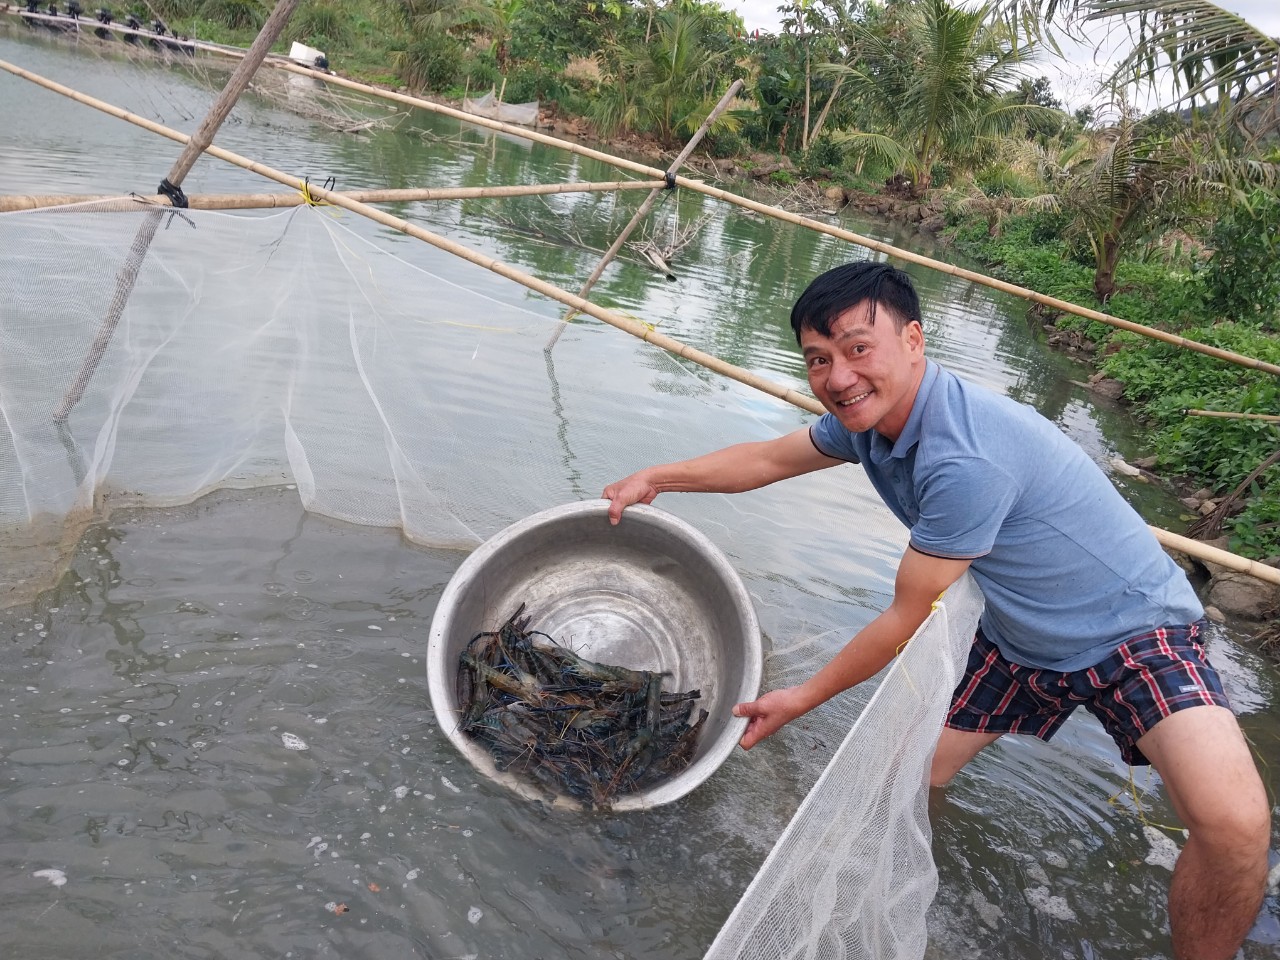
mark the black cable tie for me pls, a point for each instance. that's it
(330, 183)
(174, 193)
(670, 177)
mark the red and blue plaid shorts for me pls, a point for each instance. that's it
(1148, 677)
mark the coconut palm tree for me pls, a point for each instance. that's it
(669, 84)
(1128, 182)
(443, 16)
(931, 79)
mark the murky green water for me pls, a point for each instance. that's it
(147, 695)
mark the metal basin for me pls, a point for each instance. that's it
(651, 593)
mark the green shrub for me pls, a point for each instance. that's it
(480, 73)
(724, 143)
(1242, 279)
(430, 62)
(823, 154)
(320, 23)
(1001, 180)
(236, 14)
(532, 81)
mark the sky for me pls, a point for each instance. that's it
(1075, 80)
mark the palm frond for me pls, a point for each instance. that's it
(877, 145)
(1205, 51)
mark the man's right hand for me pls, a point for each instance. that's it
(633, 489)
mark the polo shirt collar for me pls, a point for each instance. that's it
(910, 435)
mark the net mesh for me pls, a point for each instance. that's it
(493, 108)
(852, 875)
(396, 386)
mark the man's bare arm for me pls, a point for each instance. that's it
(921, 578)
(744, 466)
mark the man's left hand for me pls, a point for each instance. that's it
(770, 713)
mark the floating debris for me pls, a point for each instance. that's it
(292, 741)
(54, 876)
(587, 730)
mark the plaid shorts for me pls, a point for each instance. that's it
(1149, 677)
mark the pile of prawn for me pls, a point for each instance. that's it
(580, 729)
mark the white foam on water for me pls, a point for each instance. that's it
(293, 742)
(53, 875)
(401, 792)
(474, 915)
(412, 874)
(987, 911)
(449, 783)
(1048, 904)
(1163, 852)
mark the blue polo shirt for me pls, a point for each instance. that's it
(1068, 569)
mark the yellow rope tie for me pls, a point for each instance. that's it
(1132, 790)
(308, 199)
(933, 608)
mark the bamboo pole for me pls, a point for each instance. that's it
(1269, 418)
(644, 208)
(787, 216)
(1202, 551)
(637, 329)
(188, 44)
(254, 201)
(171, 186)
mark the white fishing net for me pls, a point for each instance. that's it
(852, 875)
(411, 390)
(493, 108)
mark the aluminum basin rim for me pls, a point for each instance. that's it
(440, 681)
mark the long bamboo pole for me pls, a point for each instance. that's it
(643, 210)
(1202, 551)
(787, 216)
(1269, 418)
(171, 186)
(86, 28)
(637, 329)
(255, 201)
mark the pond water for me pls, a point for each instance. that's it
(148, 693)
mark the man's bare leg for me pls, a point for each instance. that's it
(1220, 877)
(955, 749)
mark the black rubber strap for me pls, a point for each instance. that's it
(174, 193)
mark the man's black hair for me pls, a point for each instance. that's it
(840, 288)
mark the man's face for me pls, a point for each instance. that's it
(866, 374)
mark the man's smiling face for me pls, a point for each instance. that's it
(866, 373)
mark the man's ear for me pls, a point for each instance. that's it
(914, 334)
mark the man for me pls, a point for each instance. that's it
(1082, 605)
